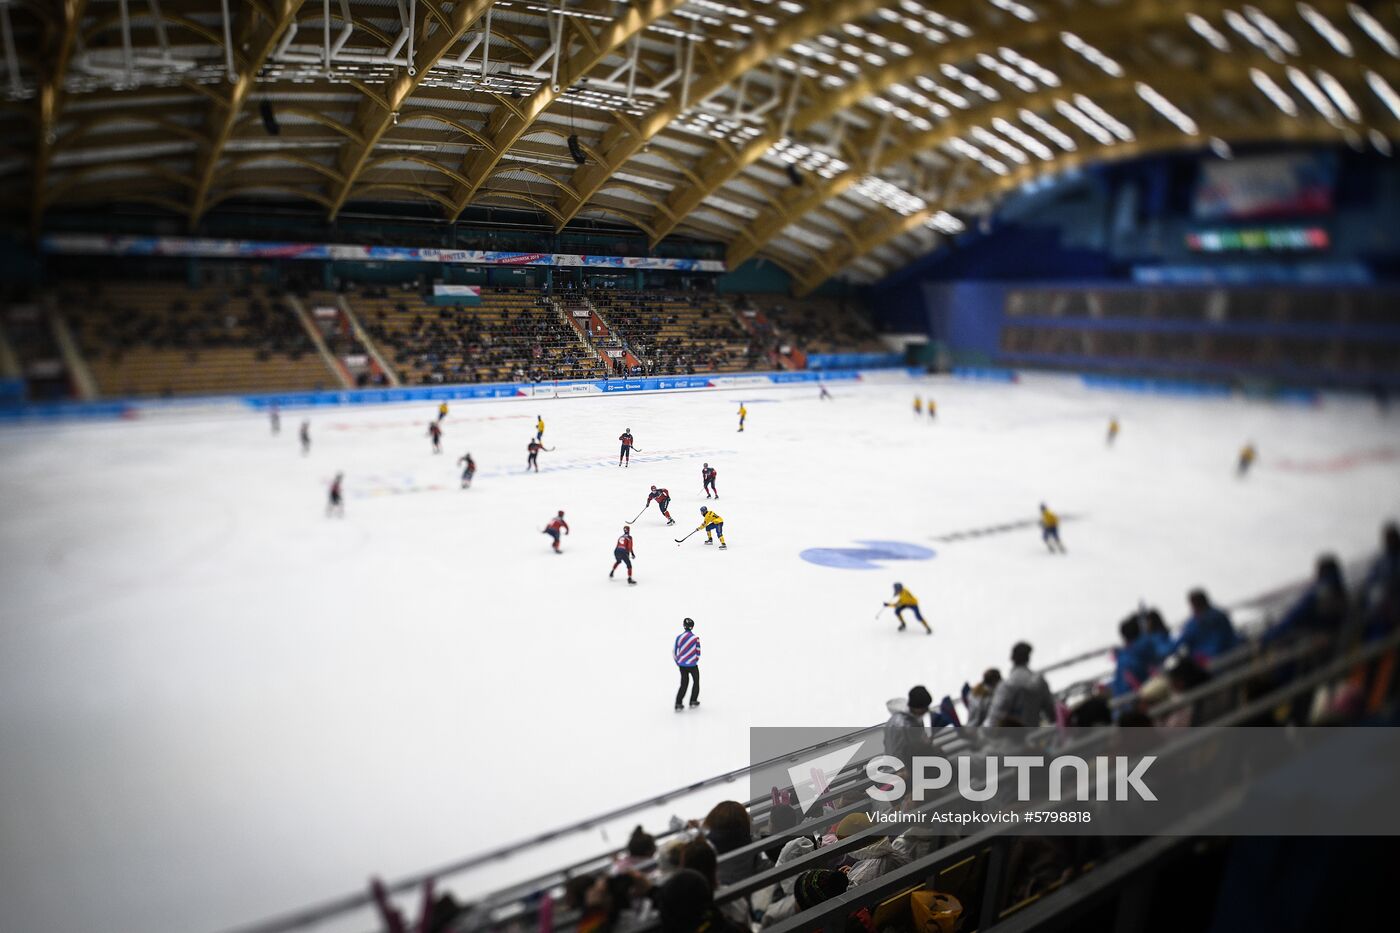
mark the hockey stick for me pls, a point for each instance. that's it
(640, 514)
(882, 610)
(680, 540)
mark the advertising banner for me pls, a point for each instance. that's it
(84, 244)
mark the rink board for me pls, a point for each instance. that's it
(467, 392)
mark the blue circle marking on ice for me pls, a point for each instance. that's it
(867, 557)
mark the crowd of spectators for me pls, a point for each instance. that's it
(521, 341)
(814, 325)
(675, 333)
(522, 337)
(119, 319)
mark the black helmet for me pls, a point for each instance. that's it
(898, 587)
(653, 489)
(703, 510)
(689, 623)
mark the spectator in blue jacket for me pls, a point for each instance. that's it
(1158, 634)
(1320, 610)
(1208, 632)
(1134, 660)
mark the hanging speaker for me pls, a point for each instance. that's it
(794, 175)
(576, 150)
(269, 118)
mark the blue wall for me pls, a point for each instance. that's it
(1105, 225)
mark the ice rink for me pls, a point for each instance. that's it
(216, 704)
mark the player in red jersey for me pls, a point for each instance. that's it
(336, 505)
(623, 553)
(708, 475)
(626, 453)
(534, 448)
(435, 433)
(662, 497)
(468, 470)
(552, 529)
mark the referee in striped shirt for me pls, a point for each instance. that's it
(687, 657)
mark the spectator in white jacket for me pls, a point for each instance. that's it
(1023, 698)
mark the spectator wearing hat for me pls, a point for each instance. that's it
(1023, 698)
(905, 736)
(817, 885)
(686, 653)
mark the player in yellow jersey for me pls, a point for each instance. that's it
(442, 411)
(539, 427)
(932, 409)
(918, 406)
(903, 599)
(743, 413)
(1247, 457)
(1112, 430)
(711, 522)
(1050, 529)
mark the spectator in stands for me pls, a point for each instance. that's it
(782, 816)
(978, 699)
(1208, 633)
(686, 904)
(727, 828)
(1158, 634)
(1023, 698)
(698, 855)
(886, 853)
(1094, 711)
(1183, 676)
(905, 736)
(1321, 610)
(1385, 572)
(1380, 594)
(1133, 661)
(608, 903)
(779, 899)
(817, 885)
(641, 849)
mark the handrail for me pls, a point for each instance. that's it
(839, 788)
(363, 899)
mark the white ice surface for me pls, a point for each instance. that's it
(218, 705)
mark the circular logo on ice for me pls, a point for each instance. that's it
(867, 557)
